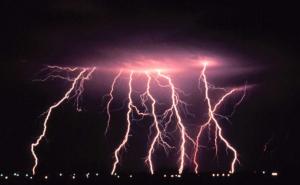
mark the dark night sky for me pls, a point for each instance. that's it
(35, 33)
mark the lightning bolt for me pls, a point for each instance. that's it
(76, 87)
(212, 119)
(160, 122)
(111, 97)
(175, 100)
(159, 132)
(158, 138)
(125, 139)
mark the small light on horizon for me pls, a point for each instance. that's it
(274, 174)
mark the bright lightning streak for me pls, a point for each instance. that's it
(158, 138)
(175, 100)
(207, 123)
(80, 78)
(218, 129)
(72, 69)
(124, 141)
(160, 123)
(111, 97)
(80, 89)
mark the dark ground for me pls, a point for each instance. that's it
(240, 178)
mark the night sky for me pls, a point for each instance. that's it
(38, 33)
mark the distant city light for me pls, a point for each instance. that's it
(88, 175)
